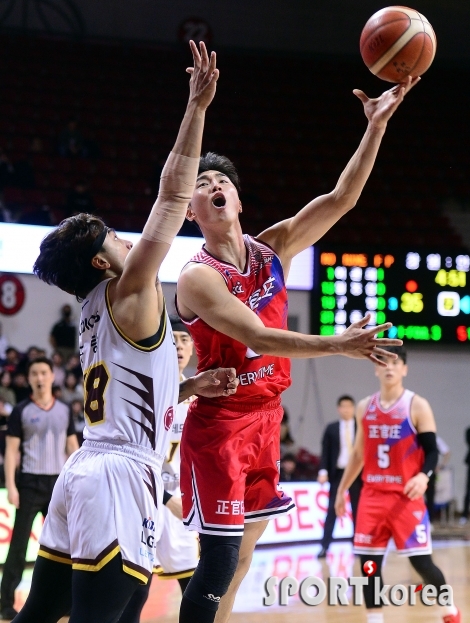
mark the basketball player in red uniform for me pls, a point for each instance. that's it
(396, 448)
(233, 298)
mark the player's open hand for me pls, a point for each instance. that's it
(378, 110)
(340, 503)
(416, 486)
(214, 383)
(360, 343)
(204, 76)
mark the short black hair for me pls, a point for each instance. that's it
(66, 253)
(398, 350)
(289, 456)
(345, 397)
(45, 360)
(214, 162)
(177, 324)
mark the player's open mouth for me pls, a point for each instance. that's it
(218, 200)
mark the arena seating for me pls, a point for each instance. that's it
(290, 124)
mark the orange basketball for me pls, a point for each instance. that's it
(398, 42)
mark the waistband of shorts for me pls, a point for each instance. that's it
(127, 449)
(240, 406)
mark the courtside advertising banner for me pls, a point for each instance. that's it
(306, 522)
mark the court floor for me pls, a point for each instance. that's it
(301, 561)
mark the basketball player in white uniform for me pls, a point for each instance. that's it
(99, 539)
(177, 552)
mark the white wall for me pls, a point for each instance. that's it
(41, 309)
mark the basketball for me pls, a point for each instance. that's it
(398, 42)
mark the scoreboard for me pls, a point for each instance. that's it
(426, 295)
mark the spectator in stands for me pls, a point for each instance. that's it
(72, 389)
(6, 170)
(289, 471)
(466, 503)
(33, 352)
(337, 445)
(12, 359)
(20, 386)
(63, 337)
(41, 430)
(79, 200)
(23, 173)
(78, 418)
(58, 368)
(71, 141)
(57, 392)
(73, 365)
(6, 390)
(37, 146)
(3, 344)
(287, 442)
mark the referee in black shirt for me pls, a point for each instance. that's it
(41, 430)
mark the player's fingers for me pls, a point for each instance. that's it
(377, 361)
(204, 56)
(212, 62)
(362, 322)
(387, 341)
(361, 95)
(381, 327)
(190, 70)
(381, 352)
(195, 52)
(231, 374)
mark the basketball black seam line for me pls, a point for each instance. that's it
(392, 22)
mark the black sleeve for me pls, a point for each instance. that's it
(71, 427)
(15, 428)
(166, 497)
(431, 455)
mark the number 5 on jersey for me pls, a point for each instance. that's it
(383, 456)
(96, 379)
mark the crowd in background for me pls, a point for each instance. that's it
(68, 379)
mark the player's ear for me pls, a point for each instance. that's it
(190, 214)
(240, 208)
(405, 370)
(100, 263)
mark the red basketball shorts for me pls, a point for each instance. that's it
(385, 514)
(230, 468)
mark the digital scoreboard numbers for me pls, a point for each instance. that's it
(426, 295)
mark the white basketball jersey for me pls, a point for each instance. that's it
(131, 391)
(172, 463)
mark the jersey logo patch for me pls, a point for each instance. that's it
(168, 419)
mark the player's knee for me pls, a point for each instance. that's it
(213, 575)
(431, 574)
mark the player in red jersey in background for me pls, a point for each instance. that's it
(232, 296)
(396, 448)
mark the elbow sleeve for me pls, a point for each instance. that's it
(177, 184)
(431, 454)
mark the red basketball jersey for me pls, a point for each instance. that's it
(261, 287)
(391, 452)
